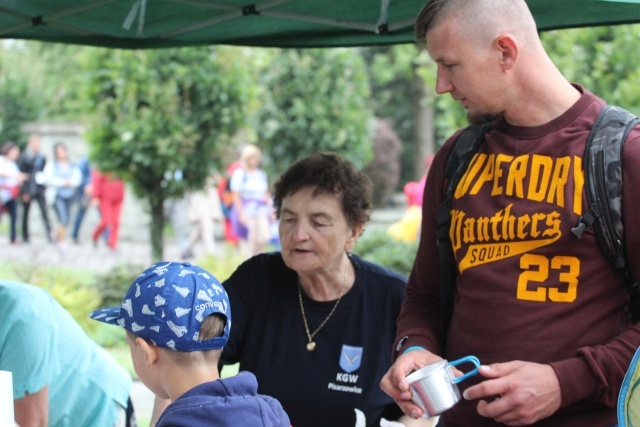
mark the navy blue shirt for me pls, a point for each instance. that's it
(339, 381)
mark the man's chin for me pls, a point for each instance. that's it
(478, 119)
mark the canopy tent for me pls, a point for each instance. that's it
(269, 23)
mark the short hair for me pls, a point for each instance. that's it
(432, 13)
(250, 150)
(330, 174)
(211, 327)
(512, 12)
(6, 147)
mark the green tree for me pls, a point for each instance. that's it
(400, 94)
(17, 106)
(599, 58)
(161, 117)
(315, 100)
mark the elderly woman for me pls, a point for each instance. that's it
(315, 323)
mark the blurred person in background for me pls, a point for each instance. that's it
(108, 195)
(252, 211)
(63, 177)
(203, 212)
(83, 197)
(32, 163)
(10, 180)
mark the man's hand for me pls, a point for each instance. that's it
(394, 381)
(516, 393)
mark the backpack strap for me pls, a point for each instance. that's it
(602, 165)
(457, 163)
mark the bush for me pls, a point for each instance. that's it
(112, 286)
(376, 246)
(223, 265)
(69, 288)
(384, 169)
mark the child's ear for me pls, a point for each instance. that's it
(150, 351)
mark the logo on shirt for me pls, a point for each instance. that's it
(350, 358)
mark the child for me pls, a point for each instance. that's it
(177, 318)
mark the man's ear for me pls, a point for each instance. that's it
(509, 50)
(150, 351)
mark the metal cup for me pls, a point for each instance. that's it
(434, 388)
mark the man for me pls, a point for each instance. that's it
(544, 312)
(32, 163)
(60, 376)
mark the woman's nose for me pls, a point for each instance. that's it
(301, 231)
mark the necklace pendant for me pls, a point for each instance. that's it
(311, 346)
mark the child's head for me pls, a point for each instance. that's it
(178, 307)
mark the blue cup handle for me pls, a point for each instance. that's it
(470, 359)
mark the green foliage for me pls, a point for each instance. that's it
(376, 246)
(397, 90)
(161, 117)
(17, 106)
(384, 169)
(317, 100)
(599, 59)
(112, 286)
(223, 265)
(68, 287)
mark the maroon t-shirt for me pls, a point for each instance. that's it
(527, 288)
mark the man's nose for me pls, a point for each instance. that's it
(443, 83)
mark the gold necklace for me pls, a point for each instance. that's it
(311, 345)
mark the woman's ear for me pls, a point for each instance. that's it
(353, 238)
(150, 351)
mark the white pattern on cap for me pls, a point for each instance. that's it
(178, 330)
(126, 305)
(147, 310)
(182, 291)
(135, 327)
(217, 288)
(162, 269)
(181, 311)
(158, 301)
(202, 294)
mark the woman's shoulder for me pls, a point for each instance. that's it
(260, 269)
(377, 273)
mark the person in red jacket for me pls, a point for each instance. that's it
(108, 195)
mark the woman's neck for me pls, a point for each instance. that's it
(329, 285)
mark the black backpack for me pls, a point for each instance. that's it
(603, 180)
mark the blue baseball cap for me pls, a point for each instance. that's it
(166, 305)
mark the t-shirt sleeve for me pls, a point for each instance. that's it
(28, 352)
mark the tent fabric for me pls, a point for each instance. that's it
(268, 23)
(629, 397)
